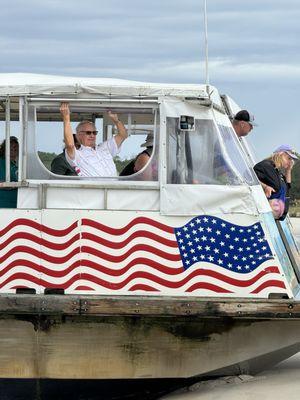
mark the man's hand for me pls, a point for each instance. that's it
(65, 111)
(114, 117)
(122, 132)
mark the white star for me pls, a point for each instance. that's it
(247, 266)
(192, 224)
(253, 262)
(208, 229)
(196, 240)
(199, 247)
(223, 225)
(225, 254)
(198, 220)
(182, 247)
(192, 251)
(214, 221)
(258, 233)
(248, 230)
(216, 251)
(190, 243)
(200, 229)
(195, 258)
(244, 259)
(251, 256)
(264, 248)
(254, 245)
(245, 240)
(222, 244)
(194, 232)
(205, 219)
(187, 236)
(240, 249)
(211, 259)
(241, 230)
(231, 247)
(220, 261)
(178, 233)
(227, 236)
(180, 240)
(236, 239)
(185, 229)
(235, 257)
(255, 226)
(232, 228)
(239, 267)
(204, 238)
(229, 265)
(207, 248)
(218, 232)
(185, 255)
(187, 262)
(212, 240)
(202, 257)
(248, 248)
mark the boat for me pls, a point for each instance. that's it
(121, 282)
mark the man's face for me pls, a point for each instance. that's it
(245, 128)
(87, 134)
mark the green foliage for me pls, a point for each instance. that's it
(46, 158)
(120, 164)
(295, 191)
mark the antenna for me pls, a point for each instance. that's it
(206, 48)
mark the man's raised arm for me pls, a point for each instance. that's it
(122, 132)
(68, 134)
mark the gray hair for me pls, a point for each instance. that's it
(79, 126)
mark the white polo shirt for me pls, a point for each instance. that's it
(95, 162)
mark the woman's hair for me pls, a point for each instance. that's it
(277, 159)
(13, 139)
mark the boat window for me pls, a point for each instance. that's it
(49, 145)
(201, 156)
(236, 155)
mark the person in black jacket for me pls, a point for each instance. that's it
(60, 165)
(275, 176)
(141, 161)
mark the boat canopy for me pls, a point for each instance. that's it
(18, 84)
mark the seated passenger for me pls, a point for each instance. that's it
(91, 159)
(141, 161)
(60, 165)
(8, 196)
(275, 176)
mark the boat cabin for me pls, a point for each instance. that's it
(193, 221)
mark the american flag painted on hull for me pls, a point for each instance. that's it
(207, 256)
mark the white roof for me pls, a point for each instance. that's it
(35, 84)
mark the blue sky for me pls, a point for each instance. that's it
(254, 49)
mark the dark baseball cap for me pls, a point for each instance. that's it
(244, 115)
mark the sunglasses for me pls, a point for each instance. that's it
(89, 133)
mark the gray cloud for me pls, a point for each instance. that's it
(253, 46)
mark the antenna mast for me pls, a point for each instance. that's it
(206, 48)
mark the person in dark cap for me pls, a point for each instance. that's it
(141, 161)
(275, 176)
(243, 123)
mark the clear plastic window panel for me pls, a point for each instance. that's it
(235, 153)
(199, 157)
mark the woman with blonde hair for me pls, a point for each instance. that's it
(275, 175)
